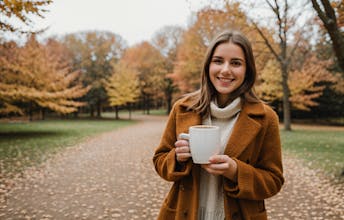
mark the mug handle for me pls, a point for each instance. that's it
(184, 136)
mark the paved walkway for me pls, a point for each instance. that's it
(111, 176)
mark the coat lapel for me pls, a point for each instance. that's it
(245, 129)
(185, 119)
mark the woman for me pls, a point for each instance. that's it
(249, 169)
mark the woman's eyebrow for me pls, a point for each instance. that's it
(238, 58)
(218, 57)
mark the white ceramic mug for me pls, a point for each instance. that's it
(204, 142)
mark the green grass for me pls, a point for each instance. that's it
(30, 143)
(320, 149)
(124, 114)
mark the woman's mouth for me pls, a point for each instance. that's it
(225, 80)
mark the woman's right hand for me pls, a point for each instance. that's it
(182, 150)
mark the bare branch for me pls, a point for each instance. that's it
(319, 11)
(329, 10)
(266, 41)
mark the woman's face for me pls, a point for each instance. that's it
(227, 70)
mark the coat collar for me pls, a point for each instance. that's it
(251, 109)
(245, 129)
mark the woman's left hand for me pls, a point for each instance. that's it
(222, 165)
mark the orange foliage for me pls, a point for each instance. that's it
(306, 83)
(150, 65)
(36, 74)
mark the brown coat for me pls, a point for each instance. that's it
(254, 144)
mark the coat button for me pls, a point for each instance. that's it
(181, 187)
(185, 213)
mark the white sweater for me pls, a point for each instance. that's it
(211, 204)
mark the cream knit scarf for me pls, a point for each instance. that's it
(211, 191)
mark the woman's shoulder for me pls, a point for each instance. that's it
(269, 109)
(270, 114)
(184, 101)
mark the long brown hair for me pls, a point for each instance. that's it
(201, 98)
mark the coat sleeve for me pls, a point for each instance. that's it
(164, 158)
(265, 178)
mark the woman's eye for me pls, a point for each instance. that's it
(217, 61)
(236, 63)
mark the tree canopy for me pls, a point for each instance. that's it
(22, 11)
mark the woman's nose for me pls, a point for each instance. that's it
(225, 67)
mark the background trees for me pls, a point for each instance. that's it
(122, 86)
(94, 53)
(167, 41)
(150, 65)
(297, 69)
(35, 77)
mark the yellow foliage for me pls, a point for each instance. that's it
(123, 86)
(270, 86)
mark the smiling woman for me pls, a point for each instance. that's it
(234, 183)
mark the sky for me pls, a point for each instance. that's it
(134, 20)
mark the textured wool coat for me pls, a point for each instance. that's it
(254, 144)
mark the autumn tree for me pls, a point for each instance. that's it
(94, 53)
(167, 41)
(34, 75)
(288, 26)
(306, 83)
(150, 65)
(122, 86)
(8, 53)
(22, 11)
(331, 13)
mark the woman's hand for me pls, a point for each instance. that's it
(182, 150)
(222, 165)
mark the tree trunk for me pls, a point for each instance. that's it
(92, 111)
(129, 108)
(329, 20)
(42, 113)
(30, 112)
(99, 108)
(286, 95)
(338, 46)
(116, 110)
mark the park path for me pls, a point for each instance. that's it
(111, 176)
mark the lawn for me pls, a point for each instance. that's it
(320, 148)
(29, 143)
